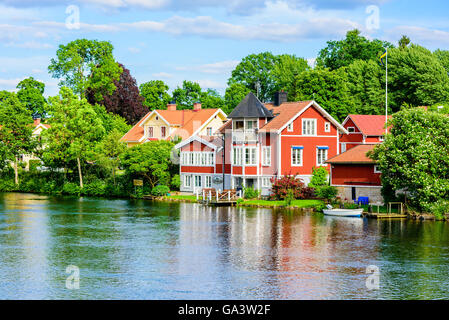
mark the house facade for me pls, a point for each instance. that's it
(174, 124)
(260, 142)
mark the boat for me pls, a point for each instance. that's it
(343, 212)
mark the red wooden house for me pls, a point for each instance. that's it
(259, 142)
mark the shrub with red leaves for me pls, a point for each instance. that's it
(280, 187)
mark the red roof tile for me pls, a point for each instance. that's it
(283, 113)
(370, 125)
(356, 155)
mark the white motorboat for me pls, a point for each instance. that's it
(343, 212)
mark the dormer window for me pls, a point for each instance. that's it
(351, 129)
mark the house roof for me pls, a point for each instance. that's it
(212, 142)
(356, 155)
(250, 107)
(186, 122)
(288, 111)
(369, 125)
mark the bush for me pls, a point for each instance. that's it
(327, 192)
(280, 187)
(308, 193)
(319, 177)
(176, 182)
(251, 193)
(160, 191)
(94, 189)
(439, 209)
(289, 198)
(34, 164)
(71, 189)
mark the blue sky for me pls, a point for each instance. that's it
(202, 40)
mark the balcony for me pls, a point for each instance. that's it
(249, 136)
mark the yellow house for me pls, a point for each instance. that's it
(172, 124)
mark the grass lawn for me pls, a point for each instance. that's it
(295, 203)
(182, 197)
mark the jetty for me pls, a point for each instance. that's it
(390, 215)
(219, 198)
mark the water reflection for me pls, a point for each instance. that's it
(142, 250)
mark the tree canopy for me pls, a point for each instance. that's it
(155, 94)
(31, 93)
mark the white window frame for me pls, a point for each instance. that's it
(305, 127)
(382, 138)
(188, 178)
(252, 159)
(290, 127)
(208, 182)
(266, 182)
(327, 127)
(199, 179)
(343, 147)
(266, 156)
(318, 157)
(376, 169)
(351, 128)
(209, 131)
(301, 156)
(237, 156)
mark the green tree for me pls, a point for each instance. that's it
(211, 99)
(187, 95)
(443, 57)
(234, 94)
(415, 157)
(150, 161)
(155, 93)
(31, 93)
(16, 131)
(328, 88)
(75, 62)
(342, 53)
(416, 77)
(366, 84)
(286, 69)
(109, 151)
(74, 132)
(404, 42)
(5, 94)
(255, 72)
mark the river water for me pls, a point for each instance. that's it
(127, 249)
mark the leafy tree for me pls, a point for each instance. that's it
(16, 131)
(187, 95)
(75, 62)
(286, 69)
(404, 42)
(235, 93)
(319, 177)
(366, 84)
(5, 94)
(342, 53)
(328, 88)
(255, 72)
(416, 77)
(150, 161)
(155, 94)
(124, 101)
(211, 99)
(31, 93)
(74, 132)
(415, 157)
(443, 57)
(109, 151)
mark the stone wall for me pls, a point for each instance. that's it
(374, 193)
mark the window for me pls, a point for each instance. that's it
(239, 125)
(377, 169)
(237, 156)
(197, 181)
(351, 129)
(321, 156)
(290, 127)
(297, 156)
(266, 182)
(150, 132)
(251, 124)
(198, 159)
(266, 156)
(327, 127)
(211, 159)
(163, 132)
(309, 127)
(343, 147)
(188, 181)
(203, 159)
(208, 182)
(381, 138)
(250, 156)
(209, 131)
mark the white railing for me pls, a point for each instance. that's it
(244, 136)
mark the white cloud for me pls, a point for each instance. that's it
(420, 35)
(206, 84)
(30, 45)
(134, 50)
(212, 68)
(162, 75)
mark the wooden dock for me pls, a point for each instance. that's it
(379, 216)
(219, 198)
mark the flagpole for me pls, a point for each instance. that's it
(386, 93)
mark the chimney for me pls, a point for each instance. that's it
(196, 106)
(37, 122)
(171, 107)
(280, 97)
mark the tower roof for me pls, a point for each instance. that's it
(250, 107)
